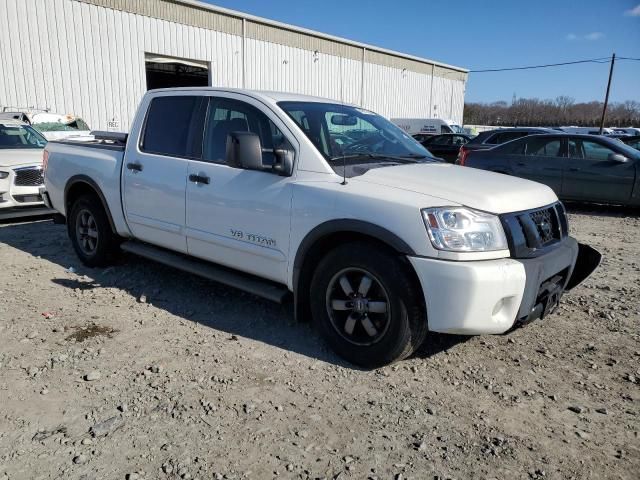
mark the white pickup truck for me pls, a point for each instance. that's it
(286, 195)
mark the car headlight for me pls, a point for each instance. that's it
(459, 229)
(4, 175)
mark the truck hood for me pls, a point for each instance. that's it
(16, 157)
(455, 185)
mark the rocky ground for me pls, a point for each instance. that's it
(141, 372)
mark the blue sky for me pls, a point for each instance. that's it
(486, 34)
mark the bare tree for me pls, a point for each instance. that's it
(561, 111)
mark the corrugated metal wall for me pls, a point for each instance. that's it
(87, 57)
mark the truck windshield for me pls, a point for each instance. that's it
(342, 132)
(20, 136)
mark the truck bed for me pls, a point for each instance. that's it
(97, 139)
(96, 160)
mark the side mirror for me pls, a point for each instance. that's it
(618, 158)
(244, 151)
(283, 164)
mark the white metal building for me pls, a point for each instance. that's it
(96, 58)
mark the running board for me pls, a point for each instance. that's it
(242, 281)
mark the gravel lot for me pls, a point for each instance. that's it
(139, 371)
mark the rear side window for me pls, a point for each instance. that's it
(174, 126)
(446, 140)
(514, 148)
(543, 147)
(507, 137)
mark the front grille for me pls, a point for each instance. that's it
(532, 232)
(547, 225)
(29, 177)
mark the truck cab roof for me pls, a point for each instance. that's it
(269, 96)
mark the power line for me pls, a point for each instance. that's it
(590, 60)
(530, 67)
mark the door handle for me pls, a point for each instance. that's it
(574, 169)
(134, 167)
(199, 179)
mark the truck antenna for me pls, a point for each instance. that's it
(344, 157)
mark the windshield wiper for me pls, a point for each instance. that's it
(379, 156)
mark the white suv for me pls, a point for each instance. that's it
(20, 166)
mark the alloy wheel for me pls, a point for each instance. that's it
(358, 306)
(87, 232)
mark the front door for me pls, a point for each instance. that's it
(589, 175)
(155, 171)
(235, 217)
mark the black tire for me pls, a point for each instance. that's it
(90, 232)
(396, 333)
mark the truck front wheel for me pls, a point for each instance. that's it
(366, 306)
(90, 232)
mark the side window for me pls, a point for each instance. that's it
(459, 140)
(445, 129)
(227, 116)
(493, 139)
(445, 140)
(543, 147)
(596, 151)
(517, 147)
(575, 148)
(508, 136)
(174, 126)
(634, 144)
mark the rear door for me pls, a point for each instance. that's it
(589, 175)
(540, 159)
(235, 217)
(155, 171)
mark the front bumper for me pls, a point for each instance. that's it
(490, 296)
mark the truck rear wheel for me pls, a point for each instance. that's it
(90, 232)
(366, 306)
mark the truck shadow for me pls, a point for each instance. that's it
(184, 296)
(599, 210)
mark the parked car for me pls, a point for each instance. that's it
(587, 130)
(586, 168)
(55, 126)
(629, 131)
(632, 141)
(369, 239)
(491, 138)
(427, 126)
(21, 149)
(20, 116)
(447, 145)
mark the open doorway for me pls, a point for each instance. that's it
(171, 72)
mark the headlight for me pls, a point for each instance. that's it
(459, 229)
(4, 175)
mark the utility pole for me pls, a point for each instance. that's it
(606, 97)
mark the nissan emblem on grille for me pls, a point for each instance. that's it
(28, 177)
